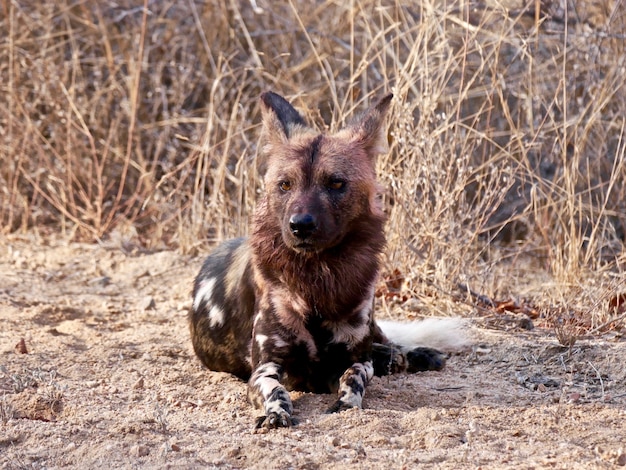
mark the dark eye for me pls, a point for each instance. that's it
(285, 185)
(336, 184)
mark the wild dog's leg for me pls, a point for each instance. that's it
(419, 359)
(266, 392)
(269, 350)
(220, 319)
(390, 359)
(352, 386)
(387, 359)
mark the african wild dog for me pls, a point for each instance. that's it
(291, 307)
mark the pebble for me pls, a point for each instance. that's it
(360, 451)
(147, 303)
(139, 384)
(101, 281)
(20, 347)
(139, 451)
(234, 452)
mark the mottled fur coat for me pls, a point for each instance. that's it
(291, 307)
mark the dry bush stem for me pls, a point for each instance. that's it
(118, 116)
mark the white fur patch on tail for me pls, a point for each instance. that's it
(444, 334)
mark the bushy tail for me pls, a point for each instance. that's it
(443, 334)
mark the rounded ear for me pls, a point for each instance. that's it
(369, 130)
(279, 117)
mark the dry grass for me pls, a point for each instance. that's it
(140, 121)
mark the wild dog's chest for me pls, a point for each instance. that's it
(319, 370)
(313, 358)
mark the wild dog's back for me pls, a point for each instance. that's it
(220, 319)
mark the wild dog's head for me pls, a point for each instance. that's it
(320, 187)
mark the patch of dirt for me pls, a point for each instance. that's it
(106, 378)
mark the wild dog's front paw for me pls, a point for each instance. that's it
(352, 386)
(275, 420)
(420, 359)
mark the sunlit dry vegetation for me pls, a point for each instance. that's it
(140, 122)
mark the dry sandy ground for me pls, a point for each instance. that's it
(109, 380)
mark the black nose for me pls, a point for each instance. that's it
(302, 225)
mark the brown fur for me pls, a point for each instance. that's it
(352, 228)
